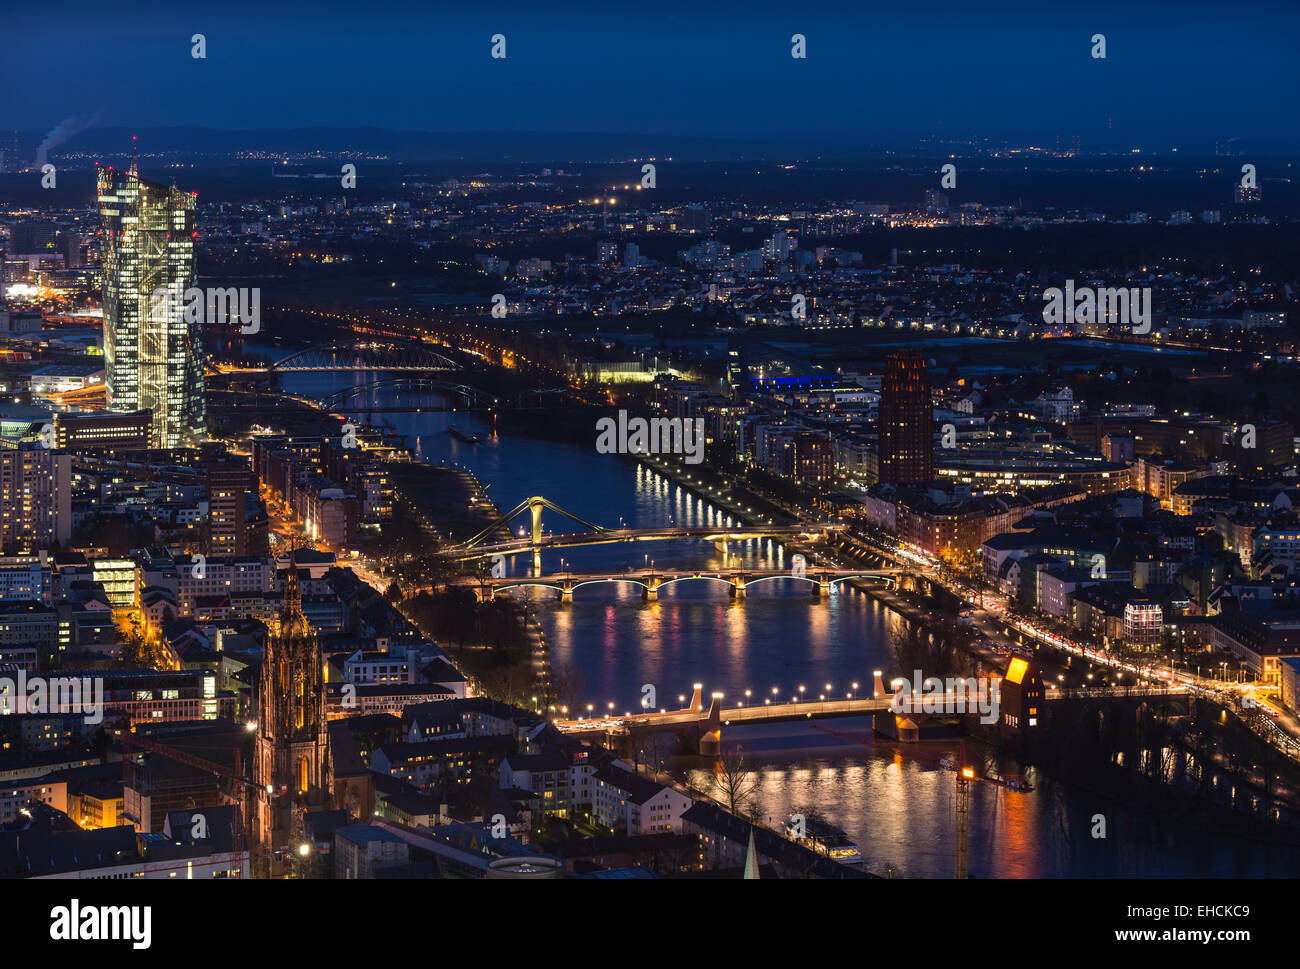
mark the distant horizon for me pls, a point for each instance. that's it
(846, 73)
(584, 146)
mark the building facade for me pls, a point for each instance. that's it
(152, 347)
(906, 420)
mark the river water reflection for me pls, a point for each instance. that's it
(899, 811)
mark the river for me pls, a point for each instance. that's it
(898, 810)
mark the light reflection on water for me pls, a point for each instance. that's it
(898, 811)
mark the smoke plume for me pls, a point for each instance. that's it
(64, 130)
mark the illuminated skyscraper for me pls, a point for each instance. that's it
(906, 420)
(153, 351)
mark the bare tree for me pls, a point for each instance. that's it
(657, 748)
(566, 685)
(734, 780)
(508, 684)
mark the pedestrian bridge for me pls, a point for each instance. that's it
(477, 547)
(607, 536)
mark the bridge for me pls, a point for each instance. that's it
(474, 547)
(719, 534)
(700, 730)
(362, 358)
(466, 397)
(738, 581)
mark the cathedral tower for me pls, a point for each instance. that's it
(291, 736)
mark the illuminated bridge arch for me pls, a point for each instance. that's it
(788, 575)
(534, 505)
(364, 358)
(869, 574)
(692, 578)
(526, 585)
(613, 579)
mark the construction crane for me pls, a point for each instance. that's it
(239, 785)
(965, 774)
(961, 805)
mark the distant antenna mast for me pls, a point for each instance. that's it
(135, 168)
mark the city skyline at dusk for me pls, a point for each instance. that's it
(674, 444)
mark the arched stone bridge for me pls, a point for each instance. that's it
(651, 581)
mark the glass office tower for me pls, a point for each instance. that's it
(153, 351)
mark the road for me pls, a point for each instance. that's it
(989, 614)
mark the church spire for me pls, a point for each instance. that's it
(751, 858)
(292, 619)
(292, 590)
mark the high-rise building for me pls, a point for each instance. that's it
(229, 482)
(35, 498)
(812, 461)
(153, 354)
(31, 239)
(70, 246)
(906, 420)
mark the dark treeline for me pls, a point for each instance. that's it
(1175, 757)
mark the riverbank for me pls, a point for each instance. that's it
(539, 651)
(749, 509)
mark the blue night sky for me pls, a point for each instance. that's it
(873, 73)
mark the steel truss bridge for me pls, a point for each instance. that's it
(365, 358)
(477, 547)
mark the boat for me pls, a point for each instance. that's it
(1017, 783)
(460, 435)
(823, 838)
